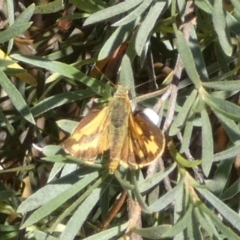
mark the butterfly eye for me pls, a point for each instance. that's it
(151, 115)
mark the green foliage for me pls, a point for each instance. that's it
(51, 59)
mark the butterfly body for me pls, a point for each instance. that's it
(132, 140)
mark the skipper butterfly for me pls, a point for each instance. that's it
(131, 138)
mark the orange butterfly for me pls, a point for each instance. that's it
(131, 138)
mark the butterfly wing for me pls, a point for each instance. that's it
(90, 137)
(147, 139)
(127, 153)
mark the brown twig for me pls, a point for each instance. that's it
(114, 210)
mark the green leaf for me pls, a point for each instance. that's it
(165, 231)
(51, 7)
(59, 100)
(13, 31)
(9, 126)
(221, 177)
(56, 168)
(197, 54)
(187, 136)
(80, 161)
(47, 193)
(54, 202)
(229, 85)
(51, 150)
(8, 228)
(224, 107)
(95, 192)
(229, 153)
(186, 163)
(125, 183)
(179, 121)
(11, 19)
(193, 231)
(188, 60)
(152, 232)
(90, 6)
(228, 214)
(181, 160)
(80, 215)
(65, 70)
(119, 36)
(205, 6)
(219, 23)
(236, 5)
(17, 169)
(179, 207)
(58, 158)
(232, 191)
(109, 234)
(111, 12)
(26, 15)
(135, 14)
(166, 199)
(221, 57)
(207, 143)
(9, 236)
(39, 235)
(67, 125)
(206, 224)
(148, 24)
(152, 181)
(5, 62)
(16, 98)
(126, 77)
(137, 193)
(213, 219)
(78, 201)
(230, 127)
(233, 21)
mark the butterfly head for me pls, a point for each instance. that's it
(122, 91)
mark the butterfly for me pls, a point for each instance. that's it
(131, 139)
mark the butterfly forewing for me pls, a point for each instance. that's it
(90, 136)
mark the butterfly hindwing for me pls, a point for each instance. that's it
(148, 140)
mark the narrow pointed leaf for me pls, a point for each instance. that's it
(80, 215)
(150, 182)
(229, 85)
(166, 199)
(219, 22)
(14, 31)
(111, 12)
(51, 7)
(229, 153)
(178, 122)
(65, 70)
(16, 98)
(108, 234)
(188, 60)
(229, 215)
(59, 100)
(207, 143)
(136, 13)
(56, 201)
(147, 25)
